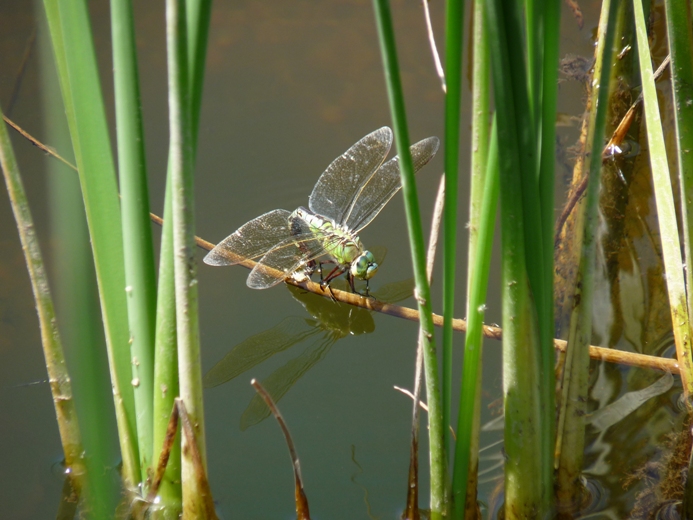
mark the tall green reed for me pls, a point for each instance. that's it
(680, 37)
(76, 64)
(416, 241)
(137, 237)
(527, 282)
(666, 211)
(571, 427)
(132, 362)
(454, 22)
(61, 387)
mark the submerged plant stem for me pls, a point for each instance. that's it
(59, 378)
(571, 430)
(666, 211)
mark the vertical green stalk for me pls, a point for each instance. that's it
(534, 45)
(58, 376)
(464, 482)
(137, 236)
(76, 297)
(190, 374)
(435, 415)
(454, 20)
(680, 34)
(198, 13)
(524, 288)
(166, 386)
(166, 368)
(79, 81)
(570, 446)
(547, 158)
(666, 212)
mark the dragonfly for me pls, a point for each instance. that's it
(349, 194)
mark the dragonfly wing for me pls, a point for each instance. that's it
(252, 240)
(281, 380)
(341, 182)
(384, 183)
(258, 348)
(286, 258)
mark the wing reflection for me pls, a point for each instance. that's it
(329, 322)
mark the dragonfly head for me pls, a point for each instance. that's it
(364, 267)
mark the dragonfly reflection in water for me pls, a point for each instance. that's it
(347, 197)
(330, 322)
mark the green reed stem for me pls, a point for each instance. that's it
(137, 236)
(58, 376)
(571, 429)
(454, 22)
(76, 297)
(79, 81)
(388, 50)
(187, 319)
(524, 283)
(464, 482)
(666, 211)
(680, 33)
(547, 158)
(198, 14)
(166, 367)
(166, 387)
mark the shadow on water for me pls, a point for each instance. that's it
(330, 321)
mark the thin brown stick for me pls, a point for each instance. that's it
(53, 352)
(302, 511)
(459, 325)
(434, 48)
(21, 71)
(37, 143)
(422, 405)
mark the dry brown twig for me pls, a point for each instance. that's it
(459, 325)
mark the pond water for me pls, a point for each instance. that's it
(289, 86)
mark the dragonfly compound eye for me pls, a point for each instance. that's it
(364, 267)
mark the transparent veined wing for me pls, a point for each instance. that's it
(289, 256)
(252, 240)
(279, 382)
(383, 184)
(259, 348)
(341, 182)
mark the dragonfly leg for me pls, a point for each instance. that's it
(338, 270)
(332, 296)
(320, 268)
(351, 279)
(326, 282)
(368, 290)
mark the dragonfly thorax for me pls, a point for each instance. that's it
(341, 244)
